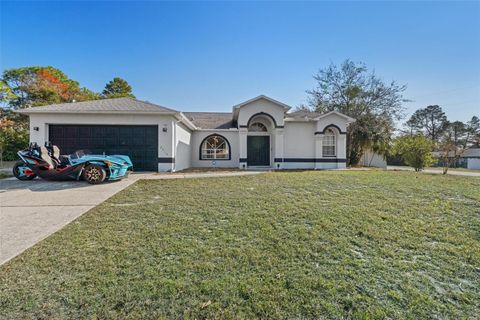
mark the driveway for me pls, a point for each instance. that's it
(32, 210)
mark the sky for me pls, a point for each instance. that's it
(209, 56)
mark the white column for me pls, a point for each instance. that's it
(279, 147)
(341, 149)
(242, 144)
(318, 150)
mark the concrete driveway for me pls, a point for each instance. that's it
(32, 210)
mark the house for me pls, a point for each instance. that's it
(469, 159)
(258, 133)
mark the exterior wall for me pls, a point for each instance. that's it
(262, 105)
(293, 145)
(233, 139)
(340, 122)
(298, 145)
(182, 147)
(371, 159)
(303, 143)
(165, 139)
(473, 163)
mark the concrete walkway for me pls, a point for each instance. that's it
(32, 210)
(438, 171)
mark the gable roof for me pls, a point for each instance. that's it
(117, 105)
(210, 120)
(260, 97)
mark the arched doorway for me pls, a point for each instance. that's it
(259, 141)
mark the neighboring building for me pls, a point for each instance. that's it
(470, 159)
(372, 159)
(258, 133)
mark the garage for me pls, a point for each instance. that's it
(139, 142)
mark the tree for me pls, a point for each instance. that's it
(415, 150)
(117, 88)
(454, 142)
(430, 121)
(352, 90)
(30, 87)
(473, 127)
(37, 86)
(13, 137)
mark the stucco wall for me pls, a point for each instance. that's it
(197, 138)
(165, 139)
(299, 140)
(262, 105)
(182, 147)
(341, 122)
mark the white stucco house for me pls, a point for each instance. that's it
(258, 133)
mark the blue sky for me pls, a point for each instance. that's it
(208, 56)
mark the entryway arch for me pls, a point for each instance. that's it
(259, 140)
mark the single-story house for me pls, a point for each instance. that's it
(258, 133)
(469, 159)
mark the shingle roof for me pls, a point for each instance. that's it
(303, 114)
(104, 105)
(211, 120)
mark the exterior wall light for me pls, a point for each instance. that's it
(36, 128)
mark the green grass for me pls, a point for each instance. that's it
(4, 175)
(358, 244)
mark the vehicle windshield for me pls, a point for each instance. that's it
(79, 154)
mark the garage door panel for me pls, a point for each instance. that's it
(140, 143)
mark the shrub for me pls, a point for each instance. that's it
(415, 150)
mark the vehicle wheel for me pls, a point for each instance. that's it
(94, 174)
(19, 170)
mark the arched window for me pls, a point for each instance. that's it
(257, 127)
(215, 147)
(329, 144)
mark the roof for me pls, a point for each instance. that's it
(119, 105)
(210, 120)
(285, 106)
(303, 115)
(468, 153)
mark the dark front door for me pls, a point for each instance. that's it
(258, 150)
(140, 143)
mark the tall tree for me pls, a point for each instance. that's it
(452, 144)
(30, 87)
(36, 86)
(431, 121)
(473, 127)
(117, 88)
(352, 90)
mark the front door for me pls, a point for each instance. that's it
(258, 150)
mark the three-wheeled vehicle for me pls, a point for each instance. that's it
(47, 163)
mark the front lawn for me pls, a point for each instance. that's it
(351, 244)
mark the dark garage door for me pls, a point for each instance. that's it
(138, 142)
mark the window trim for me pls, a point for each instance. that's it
(334, 144)
(222, 159)
(258, 123)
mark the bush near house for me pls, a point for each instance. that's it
(284, 245)
(415, 150)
